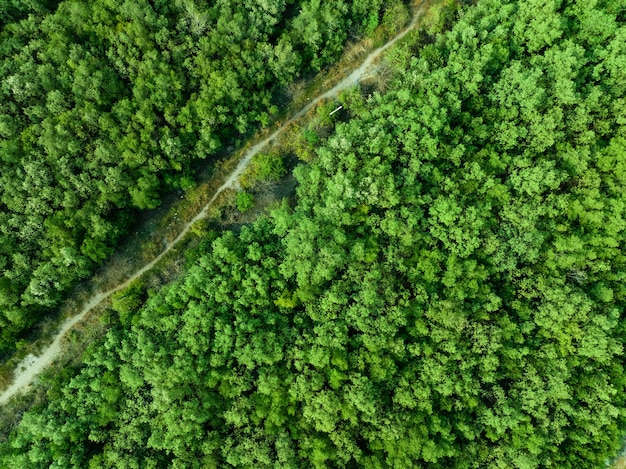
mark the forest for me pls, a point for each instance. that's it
(447, 290)
(107, 105)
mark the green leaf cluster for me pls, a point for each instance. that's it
(244, 201)
(106, 105)
(449, 290)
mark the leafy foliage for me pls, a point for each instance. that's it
(244, 201)
(265, 168)
(447, 292)
(106, 105)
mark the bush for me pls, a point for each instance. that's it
(244, 202)
(126, 302)
(265, 168)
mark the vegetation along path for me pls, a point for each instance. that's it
(31, 366)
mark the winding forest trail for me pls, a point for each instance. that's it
(31, 366)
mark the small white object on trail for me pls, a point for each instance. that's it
(332, 112)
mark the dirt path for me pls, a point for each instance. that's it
(31, 366)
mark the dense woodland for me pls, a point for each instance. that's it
(105, 105)
(448, 291)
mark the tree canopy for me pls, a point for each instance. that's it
(448, 290)
(106, 105)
